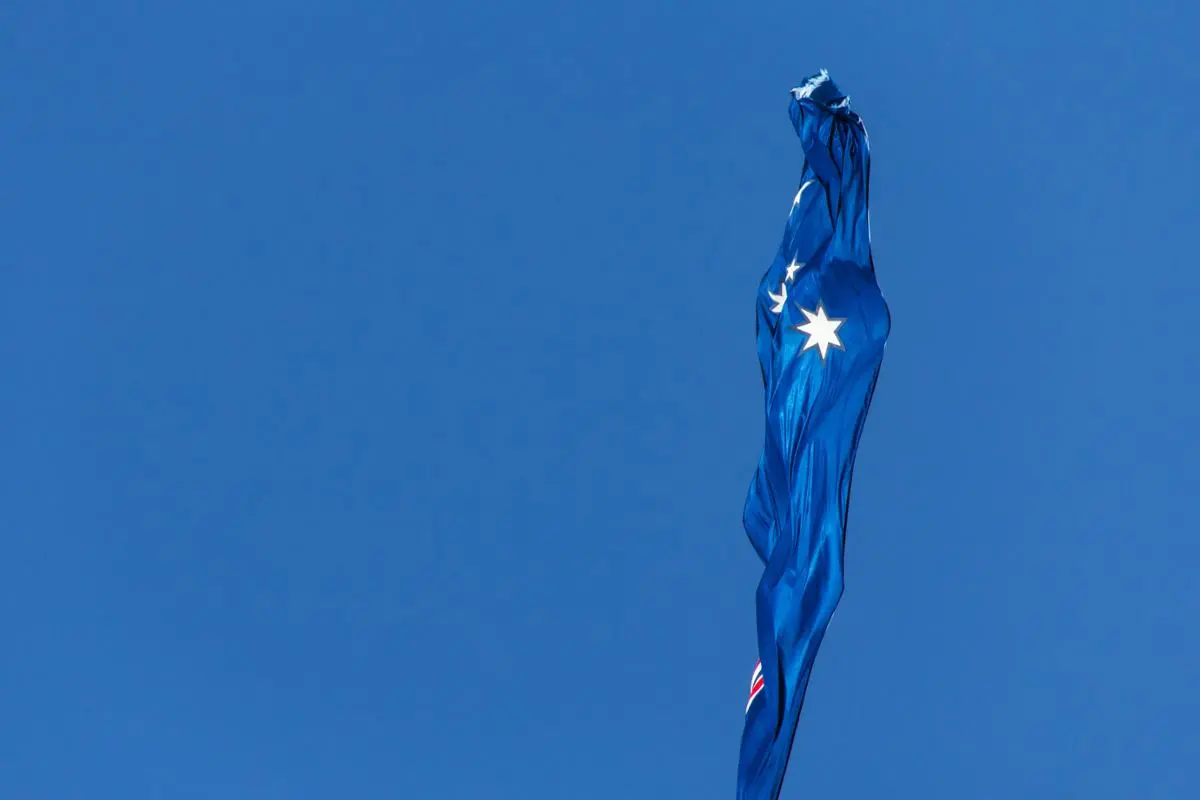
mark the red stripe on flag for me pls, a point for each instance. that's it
(754, 691)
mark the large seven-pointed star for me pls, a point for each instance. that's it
(821, 330)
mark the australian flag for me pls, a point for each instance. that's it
(822, 324)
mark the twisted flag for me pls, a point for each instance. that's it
(821, 328)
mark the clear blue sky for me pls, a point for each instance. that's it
(380, 397)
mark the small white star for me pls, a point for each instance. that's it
(780, 299)
(800, 193)
(793, 268)
(821, 331)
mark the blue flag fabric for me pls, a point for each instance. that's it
(821, 327)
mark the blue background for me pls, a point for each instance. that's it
(380, 398)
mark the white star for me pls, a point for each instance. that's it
(793, 268)
(800, 193)
(821, 331)
(779, 299)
